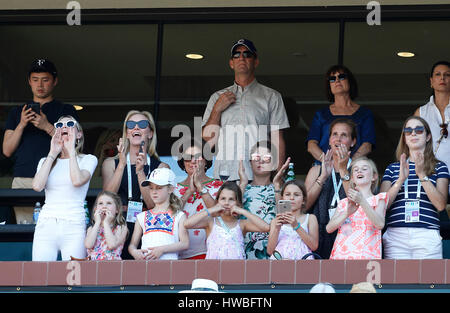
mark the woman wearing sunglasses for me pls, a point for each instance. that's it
(65, 175)
(136, 158)
(417, 185)
(341, 90)
(437, 111)
(197, 192)
(259, 196)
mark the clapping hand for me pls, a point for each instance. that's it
(56, 144)
(278, 180)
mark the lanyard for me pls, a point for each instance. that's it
(405, 185)
(130, 186)
(337, 186)
(419, 185)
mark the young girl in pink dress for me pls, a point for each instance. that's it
(224, 230)
(360, 216)
(106, 237)
(293, 234)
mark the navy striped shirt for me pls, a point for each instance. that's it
(428, 215)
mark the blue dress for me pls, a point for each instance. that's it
(320, 127)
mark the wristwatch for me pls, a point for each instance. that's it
(425, 178)
(346, 177)
(204, 190)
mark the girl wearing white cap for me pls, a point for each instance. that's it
(161, 229)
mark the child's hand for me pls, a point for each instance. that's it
(154, 253)
(97, 216)
(236, 211)
(279, 220)
(355, 196)
(109, 217)
(289, 218)
(216, 210)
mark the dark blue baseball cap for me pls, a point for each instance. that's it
(246, 43)
(43, 66)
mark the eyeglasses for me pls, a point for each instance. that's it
(141, 124)
(192, 157)
(266, 158)
(246, 54)
(332, 79)
(444, 130)
(67, 124)
(418, 130)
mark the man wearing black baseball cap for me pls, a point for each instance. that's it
(29, 127)
(246, 106)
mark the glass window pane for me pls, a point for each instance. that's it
(108, 69)
(394, 87)
(293, 59)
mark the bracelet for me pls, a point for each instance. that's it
(50, 156)
(297, 227)
(277, 190)
(207, 211)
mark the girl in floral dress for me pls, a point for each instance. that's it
(224, 230)
(360, 216)
(293, 234)
(106, 237)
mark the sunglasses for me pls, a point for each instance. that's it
(340, 77)
(192, 157)
(141, 124)
(67, 124)
(418, 130)
(246, 54)
(266, 158)
(444, 130)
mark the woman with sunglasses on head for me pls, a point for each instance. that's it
(437, 111)
(136, 158)
(341, 90)
(259, 196)
(417, 185)
(65, 175)
(197, 193)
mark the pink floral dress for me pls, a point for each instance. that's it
(357, 237)
(224, 243)
(193, 205)
(290, 245)
(100, 250)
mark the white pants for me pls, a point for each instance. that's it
(52, 235)
(412, 243)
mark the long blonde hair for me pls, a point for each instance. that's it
(151, 147)
(430, 160)
(175, 203)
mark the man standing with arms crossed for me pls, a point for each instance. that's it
(240, 115)
(29, 128)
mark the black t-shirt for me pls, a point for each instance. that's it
(35, 143)
(136, 192)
